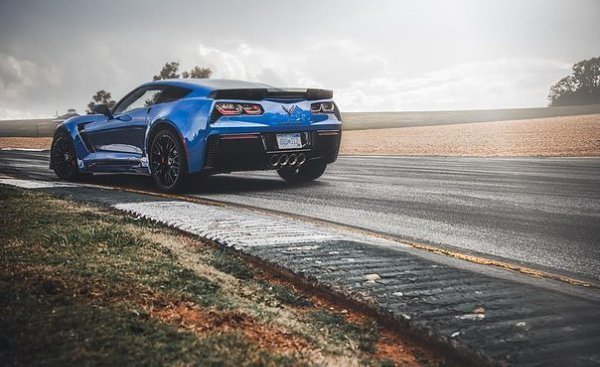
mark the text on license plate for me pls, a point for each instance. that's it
(289, 141)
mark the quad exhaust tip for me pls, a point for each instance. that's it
(301, 159)
(283, 160)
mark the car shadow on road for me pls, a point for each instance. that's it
(201, 185)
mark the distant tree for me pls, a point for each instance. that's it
(101, 97)
(169, 71)
(580, 88)
(198, 73)
(70, 113)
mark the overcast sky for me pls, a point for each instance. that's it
(376, 55)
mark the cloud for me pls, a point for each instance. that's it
(21, 76)
(245, 62)
(365, 81)
(394, 55)
(362, 80)
(23, 82)
(491, 84)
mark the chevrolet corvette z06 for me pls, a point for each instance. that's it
(170, 129)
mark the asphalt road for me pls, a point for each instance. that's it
(542, 212)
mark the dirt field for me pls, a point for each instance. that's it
(25, 143)
(572, 136)
(388, 120)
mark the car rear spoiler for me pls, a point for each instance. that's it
(258, 94)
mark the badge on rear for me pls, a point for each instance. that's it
(289, 109)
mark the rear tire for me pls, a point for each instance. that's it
(168, 163)
(306, 173)
(63, 158)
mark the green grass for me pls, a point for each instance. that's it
(43, 327)
(285, 295)
(70, 283)
(366, 334)
(97, 249)
(231, 264)
(82, 286)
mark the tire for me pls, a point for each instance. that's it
(63, 158)
(306, 173)
(168, 163)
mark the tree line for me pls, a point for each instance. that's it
(581, 87)
(169, 71)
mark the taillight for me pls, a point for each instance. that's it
(252, 109)
(327, 107)
(322, 107)
(229, 109)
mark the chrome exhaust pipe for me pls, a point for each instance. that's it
(283, 160)
(301, 159)
(274, 161)
(292, 160)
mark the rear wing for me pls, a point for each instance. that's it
(258, 94)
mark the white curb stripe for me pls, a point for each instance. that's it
(31, 184)
(229, 226)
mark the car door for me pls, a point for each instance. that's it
(122, 136)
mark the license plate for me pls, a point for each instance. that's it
(289, 141)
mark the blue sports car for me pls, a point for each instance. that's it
(170, 129)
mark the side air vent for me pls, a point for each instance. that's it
(84, 137)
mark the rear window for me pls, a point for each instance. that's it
(171, 94)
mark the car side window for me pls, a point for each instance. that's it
(171, 93)
(144, 97)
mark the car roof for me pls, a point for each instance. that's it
(208, 85)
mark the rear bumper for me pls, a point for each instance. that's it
(259, 151)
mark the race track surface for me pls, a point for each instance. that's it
(541, 212)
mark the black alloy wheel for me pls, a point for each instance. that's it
(64, 158)
(167, 161)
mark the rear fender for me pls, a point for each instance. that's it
(188, 118)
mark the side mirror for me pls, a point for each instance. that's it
(103, 110)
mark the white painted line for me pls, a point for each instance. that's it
(31, 184)
(26, 149)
